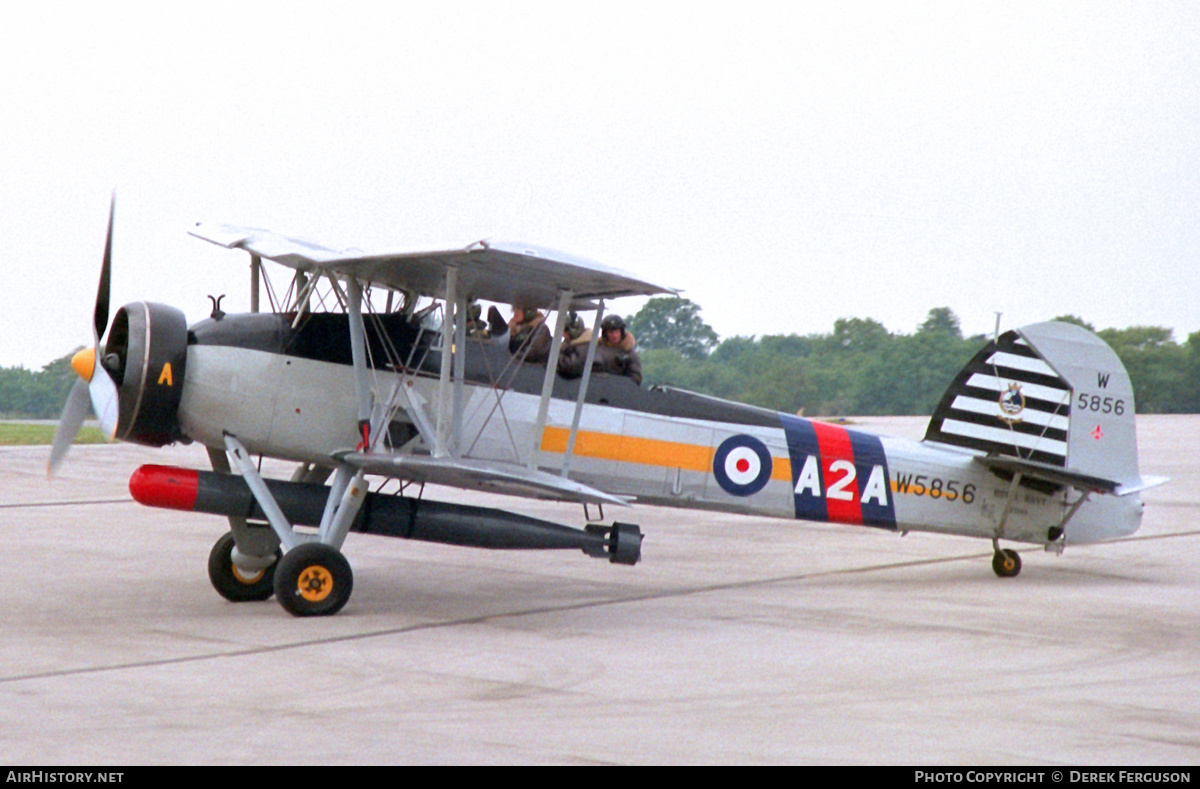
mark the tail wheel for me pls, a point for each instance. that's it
(313, 579)
(1006, 563)
(234, 584)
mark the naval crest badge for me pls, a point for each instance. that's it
(1012, 403)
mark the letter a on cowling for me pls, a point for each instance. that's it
(166, 375)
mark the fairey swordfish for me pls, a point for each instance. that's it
(366, 370)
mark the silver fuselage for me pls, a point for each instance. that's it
(305, 410)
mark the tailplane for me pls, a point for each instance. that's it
(1051, 399)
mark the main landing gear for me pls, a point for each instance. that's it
(235, 584)
(313, 579)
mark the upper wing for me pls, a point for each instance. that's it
(480, 475)
(504, 272)
(500, 272)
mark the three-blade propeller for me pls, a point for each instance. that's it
(95, 385)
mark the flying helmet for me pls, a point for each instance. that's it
(613, 322)
(574, 327)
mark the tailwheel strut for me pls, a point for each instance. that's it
(1006, 562)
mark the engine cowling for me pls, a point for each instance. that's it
(145, 354)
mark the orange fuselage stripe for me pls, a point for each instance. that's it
(652, 452)
(648, 451)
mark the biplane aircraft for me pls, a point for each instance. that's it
(365, 369)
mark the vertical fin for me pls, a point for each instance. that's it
(1051, 393)
(1008, 400)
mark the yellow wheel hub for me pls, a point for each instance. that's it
(315, 583)
(247, 579)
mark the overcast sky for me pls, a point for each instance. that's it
(785, 164)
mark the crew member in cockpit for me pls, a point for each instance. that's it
(528, 337)
(615, 352)
(476, 326)
(494, 329)
(573, 356)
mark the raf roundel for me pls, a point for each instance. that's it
(742, 465)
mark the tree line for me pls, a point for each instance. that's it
(859, 368)
(26, 394)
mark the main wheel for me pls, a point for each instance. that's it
(233, 584)
(313, 579)
(1006, 563)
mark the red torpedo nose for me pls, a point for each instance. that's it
(165, 486)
